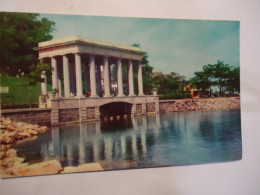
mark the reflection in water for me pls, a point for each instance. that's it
(151, 140)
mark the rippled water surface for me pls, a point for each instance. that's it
(180, 138)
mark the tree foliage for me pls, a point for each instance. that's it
(168, 83)
(19, 35)
(223, 76)
(34, 75)
(201, 81)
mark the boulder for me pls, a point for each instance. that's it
(32, 132)
(11, 161)
(7, 137)
(123, 164)
(10, 153)
(42, 129)
(83, 168)
(19, 125)
(44, 168)
(23, 135)
(2, 154)
(4, 148)
(4, 174)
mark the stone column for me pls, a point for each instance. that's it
(106, 77)
(93, 76)
(59, 82)
(119, 78)
(66, 76)
(87, 78)
(130, 78)
(54, 73)
(43, 84)
(140, 80)
(78, 75)
(72, 79)
(110, 79)
(99, 88)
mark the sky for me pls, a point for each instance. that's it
(181, 46)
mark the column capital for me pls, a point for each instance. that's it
(53, 56)
(107, 56)
(140, 62)
(92, 56)
(65, 54)
(77, 53)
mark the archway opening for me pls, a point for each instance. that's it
(115, 110)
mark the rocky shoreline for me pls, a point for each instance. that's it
(200, 104)
(14, 166)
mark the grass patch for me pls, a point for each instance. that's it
(18, 92)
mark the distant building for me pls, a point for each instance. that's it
(195, 93)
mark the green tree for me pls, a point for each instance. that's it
(19, 35)
(176, 81)
(34, 76)
(201, 81)
(160, 82)
(233, 82)
(169, 83)
(221, 75)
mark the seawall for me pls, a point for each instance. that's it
(40, 116)
(223, 103)
(43, 116)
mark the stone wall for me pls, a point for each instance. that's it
(91, 113)
(150, 107)
(200, 104)
(30, 115)
(68, 115)
(139, 109)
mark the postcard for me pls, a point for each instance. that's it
(92, 93)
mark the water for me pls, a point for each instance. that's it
(180, 138)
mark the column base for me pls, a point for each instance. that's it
(121, 95)
(131, 95)
(107, 96)
(82, 96)
(94, 96)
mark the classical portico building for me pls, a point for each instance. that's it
(76, 64)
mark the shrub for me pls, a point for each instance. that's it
(174, 95)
